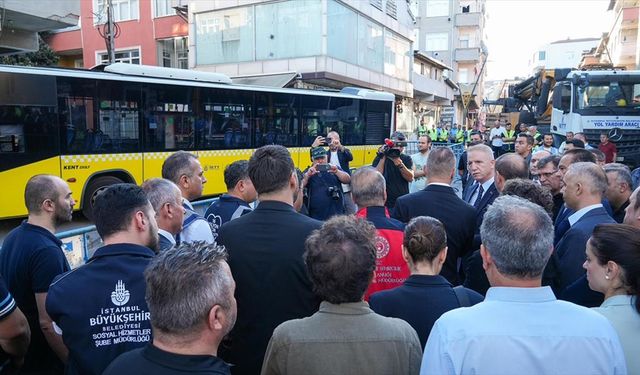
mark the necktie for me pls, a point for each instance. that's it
(476, 204)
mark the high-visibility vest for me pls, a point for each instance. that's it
(433, 134)
(460, 135)
(510, 134)
(443, 136)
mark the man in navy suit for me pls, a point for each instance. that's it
(265, 256)
(438, 200)
(585, 184)
(483, 192)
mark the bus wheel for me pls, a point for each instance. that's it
(95, 187)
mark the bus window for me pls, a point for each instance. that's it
(28, 121)
(118, 124)
(321, 115)
(169, 118)
(378, 121)
(276, 119)
(224, 119)
(76, 113)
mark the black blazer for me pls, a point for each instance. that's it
(420, 301)
(458, 218)
(265, 255)
(570, 250)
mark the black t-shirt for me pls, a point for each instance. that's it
(7, 303)
(397, 186)
(325, 197)
(31, 258)
(151, 360)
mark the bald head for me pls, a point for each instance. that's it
(535, 158)
(368, 187)
(508, 167)
(585, 184)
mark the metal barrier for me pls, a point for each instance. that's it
(79, 244)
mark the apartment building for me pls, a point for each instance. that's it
(452, 31)
(149, 32)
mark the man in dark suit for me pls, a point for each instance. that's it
(438, 200)
(483, 192)
(265, 255)
(585, 184)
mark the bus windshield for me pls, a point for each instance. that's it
(610, 95)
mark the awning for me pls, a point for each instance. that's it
(268, 80)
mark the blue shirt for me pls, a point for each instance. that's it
(223, 210)
(31, 258)
(523, 331)
(100, 307)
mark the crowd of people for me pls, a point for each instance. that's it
(533, 268)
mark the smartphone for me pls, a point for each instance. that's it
(323, 167)
(328, 140)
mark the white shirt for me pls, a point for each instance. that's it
(573, 218)
(522, 331)
(497, 142)
(199, 230)
(167, 235)
(419, 161)
(333, 160)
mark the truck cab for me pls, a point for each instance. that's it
(595, 102)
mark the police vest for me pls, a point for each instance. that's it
(444, 135)
(460, 136)
(510, 134)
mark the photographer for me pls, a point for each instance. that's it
(323, 183)
(340, 156)
(395, 166)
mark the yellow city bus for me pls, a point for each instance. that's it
(118, 124)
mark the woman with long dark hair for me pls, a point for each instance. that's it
(613, 268)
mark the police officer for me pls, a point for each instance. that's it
(323, 182)
(100, 306)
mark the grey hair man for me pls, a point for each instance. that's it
(166, 200)
(632, 213)
(369, 193)
(188, 324)
(619, 190)
(184, 169)
(536, 156)
(550, 177)
(345, 336)
(567, 338)
(584, 186)
(439, 200)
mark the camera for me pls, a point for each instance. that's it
(391, 148)
(328, 140)
(333, 192)
(323, 167)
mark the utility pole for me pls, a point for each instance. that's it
(110, 33)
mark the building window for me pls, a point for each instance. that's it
(542, 55)
(463, 75)
(131, 56)
(225, 36)
(123, 10)
(396, 56)
(464, 41)
(165, 7)
(437, 8)
(173, 53)
(392, 9)
(437, 42)
(376, 3)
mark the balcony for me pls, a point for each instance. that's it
(469, 19)
(467, 54)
